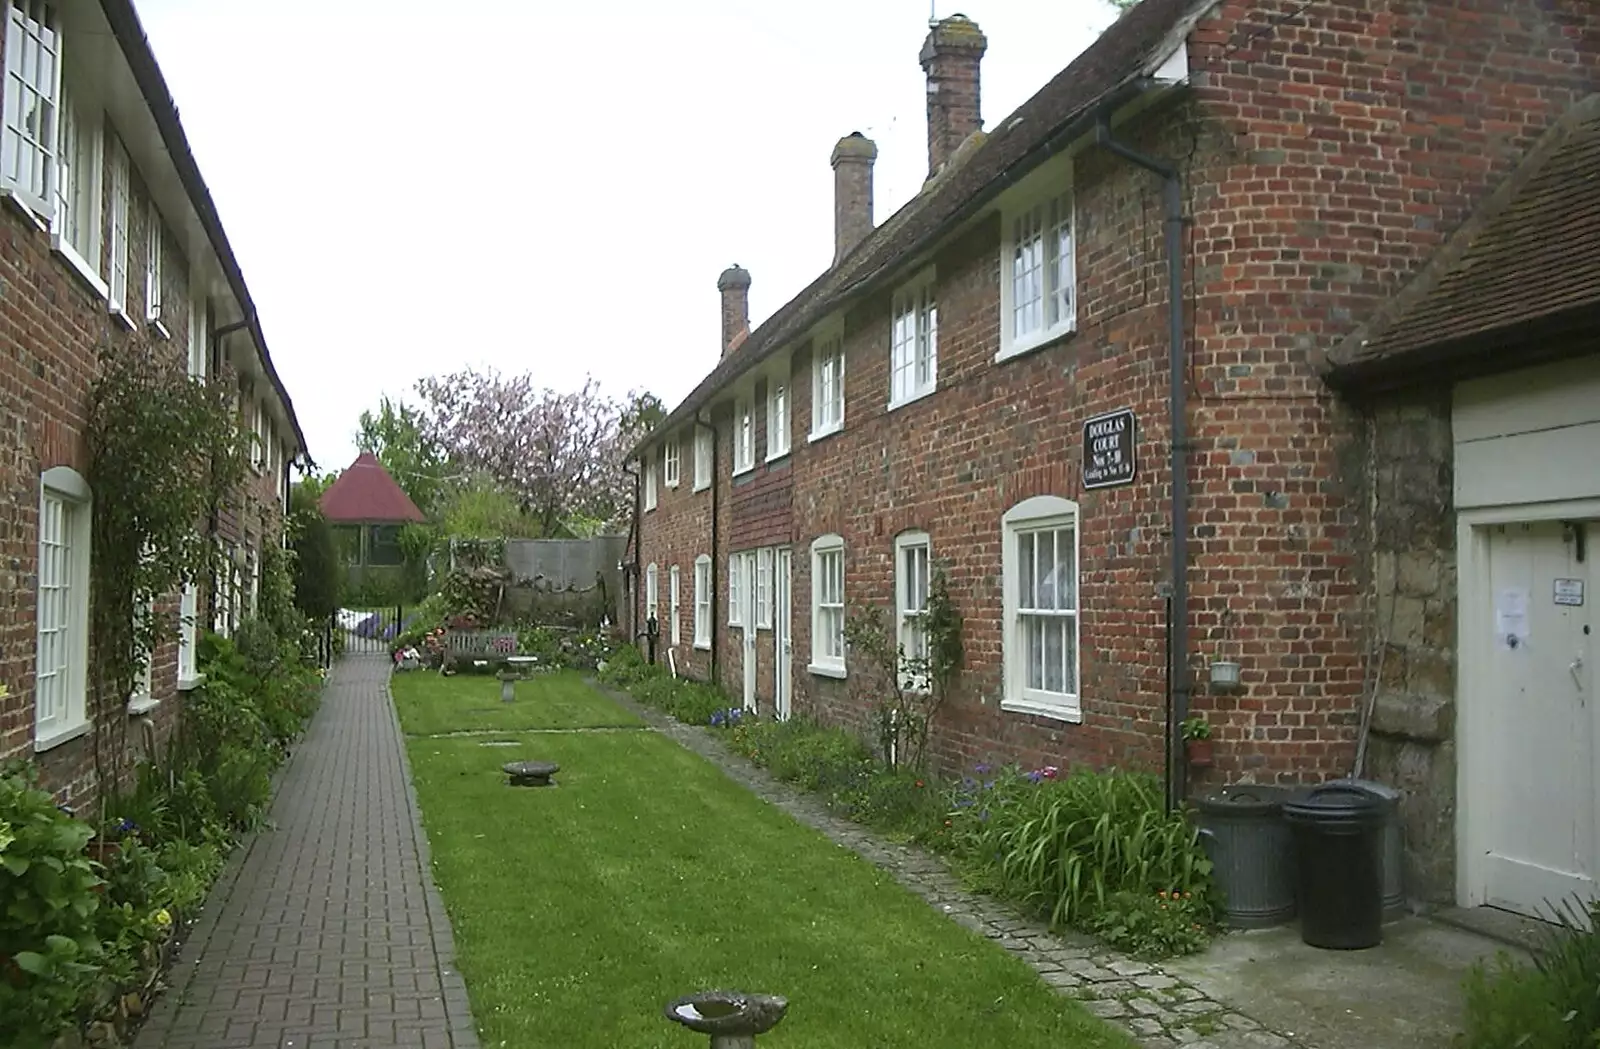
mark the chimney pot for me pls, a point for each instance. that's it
(734, 284)
(950, 57)
(852, 192)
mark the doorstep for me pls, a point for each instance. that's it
(1513, 930)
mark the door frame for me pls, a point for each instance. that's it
(750, 652)
(1475, 743)
(782, 632)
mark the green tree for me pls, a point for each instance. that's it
(318, 574)
(416, 462)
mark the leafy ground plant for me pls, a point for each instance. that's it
(1553, 1004)
(580, 910)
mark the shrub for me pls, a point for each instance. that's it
(1067, 844)
(1554, 1004)
(50, 953)
(1155, 925)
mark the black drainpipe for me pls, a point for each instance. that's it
(1177, 407)
(700, 422)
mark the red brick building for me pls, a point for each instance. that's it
(108, 237)
(984, 382)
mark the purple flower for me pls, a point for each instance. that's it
(1035, 776)
(982, 769)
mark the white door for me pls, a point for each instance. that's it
(747, 592)
(782, 629)
(1540, 714)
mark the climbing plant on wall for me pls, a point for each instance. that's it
(166, 452)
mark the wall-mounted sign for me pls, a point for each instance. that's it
(1569, 592)
(1108, 442)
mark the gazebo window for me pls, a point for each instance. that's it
(385, 549)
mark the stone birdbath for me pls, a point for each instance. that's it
(531, 773)
(508, 684)
(731, 1018)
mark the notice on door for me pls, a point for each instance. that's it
(1511, 618)
(1569, 592)
(1108, 449)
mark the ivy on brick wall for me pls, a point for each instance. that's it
(166, 452)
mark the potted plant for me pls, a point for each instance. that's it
(1197, 741)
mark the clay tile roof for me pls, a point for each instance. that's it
(366, 493)
(1125, 55)
(1524, 267)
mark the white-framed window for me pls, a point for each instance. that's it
(674, 588)
(827, 606)
(735, 590)
(117, 263)
(651, 595)
(911, 566)
(914, 342)
(827, 385)
(764, 588)
(198, 354)
(703, 439)
(702, 601)
(671, 464)
(188, 636)
(261, 431)
(75, 227)
(1039, 562)
(1038, 280)
(153, 270)
(777, 418)
(61, 657)
(225, 599)
(255, 581)
(744, 436)
(143, 700)
(648, 463)
(32, 103)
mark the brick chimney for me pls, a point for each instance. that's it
(852, 192)
(735, 287)
(950, 57)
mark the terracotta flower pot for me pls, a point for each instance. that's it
(1199, 753)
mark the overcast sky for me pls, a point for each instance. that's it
(413, 188)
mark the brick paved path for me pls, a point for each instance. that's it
(325, 930)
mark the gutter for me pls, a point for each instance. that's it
(637, 536)
(1177, 419)
(141, 60)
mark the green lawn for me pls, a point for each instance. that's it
(580, 910)
(430, 704)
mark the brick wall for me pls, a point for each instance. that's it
(52, 324)
(1326, 151)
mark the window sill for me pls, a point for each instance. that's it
(60, 736)
(702, 646)
(139, 705)
(777, 458)
(913, 399)
(816, 435)
(742, 470)
(189, 684)
(159, 328)
(25, 209)
(121, 315)
(671, 485)
(650, 509)
(702, 487)
(81, 267)
(1039, 708)
(1036, 342)
(824, 670)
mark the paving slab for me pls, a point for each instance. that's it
(325, 930)
(1405, 992)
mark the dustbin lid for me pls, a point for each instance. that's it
(1387, 794)
(1336, 805)
(1245, 799)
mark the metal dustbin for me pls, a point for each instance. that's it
(1394, 852)
(1338, 834)
(1251, 852)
